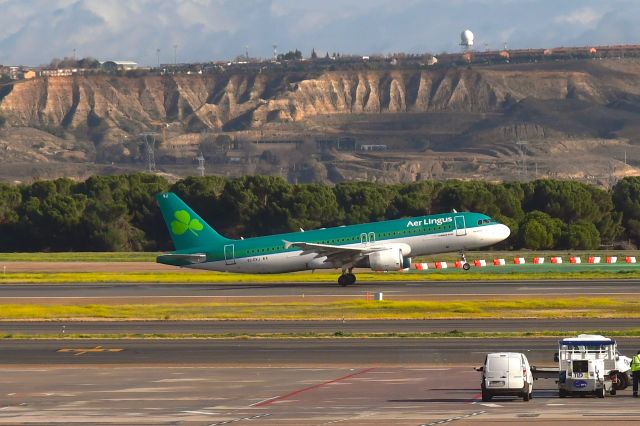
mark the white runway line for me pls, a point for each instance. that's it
(206, 413)
(264, 400)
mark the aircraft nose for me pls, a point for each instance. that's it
(502, 232)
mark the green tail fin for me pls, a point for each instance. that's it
(186, 228)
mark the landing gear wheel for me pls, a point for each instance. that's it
(465, 264)
(343, 280)
(346, 279)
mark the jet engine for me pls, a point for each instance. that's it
(391, 259)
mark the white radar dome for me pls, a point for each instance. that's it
(466, 38)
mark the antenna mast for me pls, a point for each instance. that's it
(150, 144)
(523, 160)
(200, 168)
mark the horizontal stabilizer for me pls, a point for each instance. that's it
(182, 259)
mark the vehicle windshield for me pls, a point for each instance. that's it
(585, 348)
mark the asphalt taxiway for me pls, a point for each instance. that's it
(288, 381)
(275, 395)
(404, 290)
(61, 328)
(338, 351)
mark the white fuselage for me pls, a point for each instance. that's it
(292, 261)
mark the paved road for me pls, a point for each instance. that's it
(279, 352)
(147, 293)
(319, 382)
(261, 327)
(317, 395)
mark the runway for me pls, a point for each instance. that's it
(340, 351)
(206, 327)
(409, 290)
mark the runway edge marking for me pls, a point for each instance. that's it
(308, 388)
(453, 419)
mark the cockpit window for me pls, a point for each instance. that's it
(485, 221)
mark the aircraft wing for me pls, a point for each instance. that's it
(332, 252)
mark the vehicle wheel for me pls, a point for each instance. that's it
(466, 266)
(622, 381)
(601, 392)
(531, 395)
(562, 393)
(526, 397)
(486, 396)
(343, 280)
(613, 391)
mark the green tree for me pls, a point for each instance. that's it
(534, 236)
(539, 231)
(313, 206)
(363, 201)
(626, 197)
(582, 236)
(466, 196)
(256, 205)
(414, 199)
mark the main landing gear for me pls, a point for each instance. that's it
(347, 278)
(465, 264)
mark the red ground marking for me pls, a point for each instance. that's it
(308, 388)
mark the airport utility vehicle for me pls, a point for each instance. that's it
(590, 364)
(590, 346)
(506, 374)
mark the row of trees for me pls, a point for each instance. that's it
(106, 213)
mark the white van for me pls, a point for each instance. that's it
(506, 374)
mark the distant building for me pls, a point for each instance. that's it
(62, 72)
(373, 147)
(113, 66)
(28, 75)
(15, 73)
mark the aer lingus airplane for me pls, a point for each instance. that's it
(381, 246)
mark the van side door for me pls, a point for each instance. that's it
(516, 379)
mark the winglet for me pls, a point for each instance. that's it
(287, 244)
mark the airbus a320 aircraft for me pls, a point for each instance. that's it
(381, 246)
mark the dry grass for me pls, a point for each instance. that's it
(521, 308)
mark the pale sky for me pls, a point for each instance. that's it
(34, 31)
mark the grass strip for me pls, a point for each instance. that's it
(334, 335)
(80, 257)
(497, 274)
(586, 307)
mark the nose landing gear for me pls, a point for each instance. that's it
(465, 265)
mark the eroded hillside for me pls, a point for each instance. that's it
(431, 123)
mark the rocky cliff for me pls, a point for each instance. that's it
(219, 102)
(94, 116)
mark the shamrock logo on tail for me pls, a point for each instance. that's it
(183, 222)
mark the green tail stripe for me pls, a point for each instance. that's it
(187, 229)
